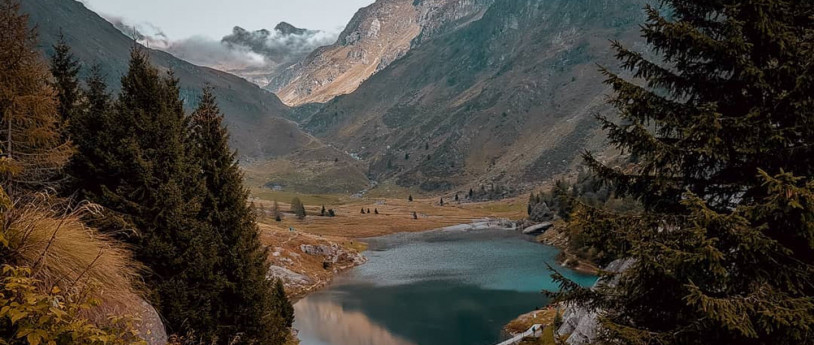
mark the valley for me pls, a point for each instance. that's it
(431, 172)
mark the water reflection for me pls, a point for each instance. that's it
(328, 323)
(435, 288)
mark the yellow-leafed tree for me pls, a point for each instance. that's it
(29, 121)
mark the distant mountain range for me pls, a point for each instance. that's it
(432, 94)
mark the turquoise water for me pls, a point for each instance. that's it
(432, 288)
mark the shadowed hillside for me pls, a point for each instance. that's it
(508, 98)
(255, 117)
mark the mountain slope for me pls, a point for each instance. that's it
(376, 36)
(507, 98)
(255, 117)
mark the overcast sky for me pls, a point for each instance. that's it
(215, 18)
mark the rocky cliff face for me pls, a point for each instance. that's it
(506, 96)
(377, 36)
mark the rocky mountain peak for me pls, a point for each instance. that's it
(288, 29)
(376, 36)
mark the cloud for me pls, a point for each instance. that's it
(280, 44)
(246, 53)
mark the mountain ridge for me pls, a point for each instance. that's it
(254, 116)
(506, 99)
(375, 37)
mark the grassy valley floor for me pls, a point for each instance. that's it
(308, 253)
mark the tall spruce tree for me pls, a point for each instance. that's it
(30, 128)
(65, 69)
(90, 131)
(249, 304)
(145, 178)
(722, 131)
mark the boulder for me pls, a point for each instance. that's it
(539, 228)
(150, 327)
(582, 325)
(289, 277)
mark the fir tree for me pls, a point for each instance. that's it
(275, 211)
(282, 303)
(30, 127)
(322, 212)
(147, 179)
(247, 305)
(410, 198)
(722, 135)
(297, 208)
(65, 69)
(90, 131)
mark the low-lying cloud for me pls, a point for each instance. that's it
(252, 54)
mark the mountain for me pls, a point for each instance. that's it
(505, 95)
(278, 49)
(255, 117)
(376, 36)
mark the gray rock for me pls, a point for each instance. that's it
(581, 324)
(289, 277)
(539, 228)
(150, 327)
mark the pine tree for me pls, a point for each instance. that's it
(410, 198)
(30, 128)
(247, 305)
(65, 69)
(722, 135)
(375, 211)
(322, 212)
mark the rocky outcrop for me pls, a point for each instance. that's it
(334, 254)
(305, 262)
(290, 278)
(484, 224)
(580, 324)
(539, 228)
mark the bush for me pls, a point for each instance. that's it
(62, 283)
(31, 315)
